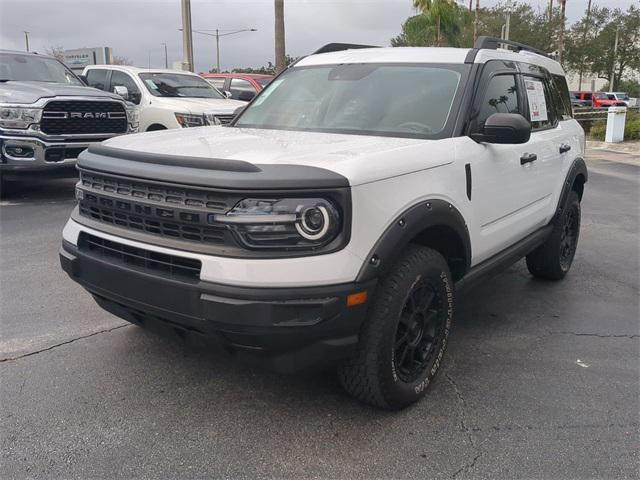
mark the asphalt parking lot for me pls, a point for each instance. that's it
(541, 380)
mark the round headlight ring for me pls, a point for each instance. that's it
(307, 231)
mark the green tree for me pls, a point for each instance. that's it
(421, 30)
(442, 12)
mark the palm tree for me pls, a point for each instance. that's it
(475, 22)
(279, 34)
(443, 11)
(563, 4)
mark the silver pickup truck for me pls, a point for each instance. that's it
(48, 116)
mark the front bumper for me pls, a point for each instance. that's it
(286, 329)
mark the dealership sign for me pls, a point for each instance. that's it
(79, 58)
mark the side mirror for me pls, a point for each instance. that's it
(84, 80)
(122, 91)
(227, 94)
(246, 96)
(505, 128)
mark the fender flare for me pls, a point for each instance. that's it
(578, 167)
(405, 227)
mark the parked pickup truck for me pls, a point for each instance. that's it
(48, 116)
(340, 217)
(166, 98)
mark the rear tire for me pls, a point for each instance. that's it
(553, 259)
(403, 340)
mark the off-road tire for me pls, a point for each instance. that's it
(372, 375)
(553, 259)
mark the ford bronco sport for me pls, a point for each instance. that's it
(337, 218)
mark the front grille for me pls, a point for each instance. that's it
(57, 154)
(170, 266)
(157, 193)
(225, 119)
(162, 210)
(69, 117)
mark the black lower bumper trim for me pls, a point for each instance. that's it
(287, 329)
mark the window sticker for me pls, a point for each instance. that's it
(151, 84)
(537, 102)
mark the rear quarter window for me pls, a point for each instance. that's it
(560, 97)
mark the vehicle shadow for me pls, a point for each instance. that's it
(41, 190)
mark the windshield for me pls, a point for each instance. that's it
(601, 96)
(393, 100)
(178, 85)
(622, 96)
(264, 81)
(33, 68)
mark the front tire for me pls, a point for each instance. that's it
(404, 338)
(553, 259)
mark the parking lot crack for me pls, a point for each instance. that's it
(577, 334)
(66, 342)
(463, 425)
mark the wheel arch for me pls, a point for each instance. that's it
(574, 181)
(436, 224)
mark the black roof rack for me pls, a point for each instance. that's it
(338, 47)
(492, 43)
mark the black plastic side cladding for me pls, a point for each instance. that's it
(405, 228)
(579, 167)
(208, 172)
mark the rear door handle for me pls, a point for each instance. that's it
(528, 158)
(565, 148)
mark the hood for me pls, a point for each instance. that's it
(31, 92)
(197, 105)
(359, 158)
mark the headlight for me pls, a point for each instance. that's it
(189, 120)
(289, 223)
(19, 117)
(133, 115)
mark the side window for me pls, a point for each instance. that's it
(560, 96)
(121, 79)
(241, 89)
(501, 96)
(97, 78)
(216, 82)
(587, 96)
(541, 109)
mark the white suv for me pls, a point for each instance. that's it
(338, 217)
(165, 98)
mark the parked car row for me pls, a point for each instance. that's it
(48, 115)
(600, 99)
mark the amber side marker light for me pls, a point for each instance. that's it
(356, 299)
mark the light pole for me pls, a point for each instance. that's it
(218, 35)
(26, 39)
(166, 60)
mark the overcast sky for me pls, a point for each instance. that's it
(137, 28)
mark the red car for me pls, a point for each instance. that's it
(598, 99)
(242, 86)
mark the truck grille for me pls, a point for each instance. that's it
(156, 209)
(72, 117)
(168, 265)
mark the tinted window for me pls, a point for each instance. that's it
(34, 68)
(501, 96)
(121, 79)
(97, 78)
(393, 100)
(541, 107)
(560, 96)
(217, 82)
(178, 85)
(238, 86)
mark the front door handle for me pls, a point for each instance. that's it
(528, 158)
(565, 148)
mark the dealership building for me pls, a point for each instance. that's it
(79, 58)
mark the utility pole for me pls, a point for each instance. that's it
(279, 35)
(584, 40)
(187, 37)
(166, 57)
(613, 63)
(563, 4)
(26, 39)
(217, 51)
(550, 10)
(475, 22)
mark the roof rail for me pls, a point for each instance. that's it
(493, 43)
(338, 47)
